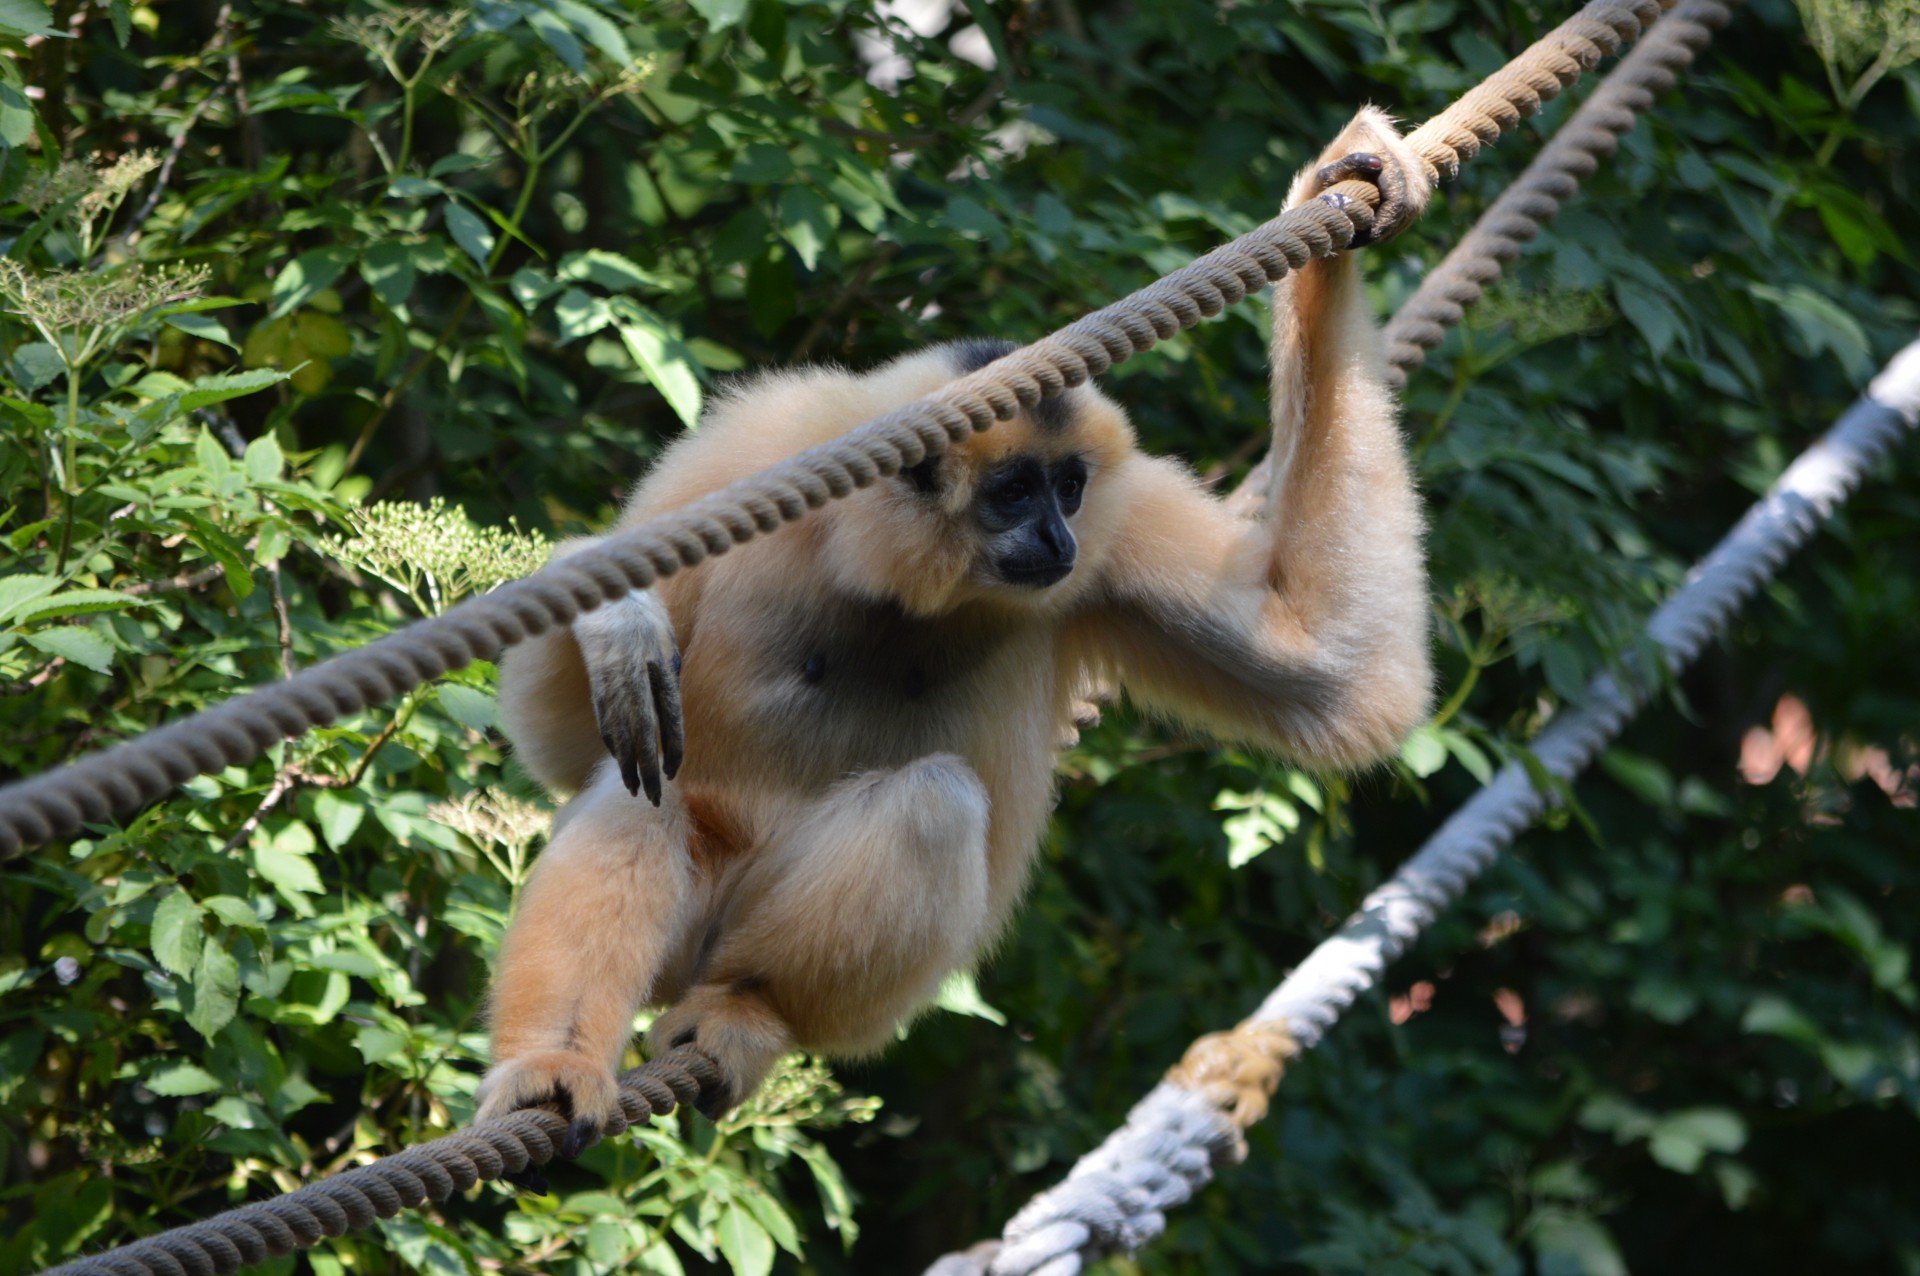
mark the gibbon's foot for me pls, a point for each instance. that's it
(634, 668)
(581, 1090)
(1392, 215)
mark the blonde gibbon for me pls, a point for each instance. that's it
(872, 699)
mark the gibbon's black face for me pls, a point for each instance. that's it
(1023, 505)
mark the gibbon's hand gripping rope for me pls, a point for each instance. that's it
(1115, 1200)
(127, 777)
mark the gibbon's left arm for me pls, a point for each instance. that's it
(1304, 627)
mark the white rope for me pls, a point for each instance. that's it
(1115, 1199)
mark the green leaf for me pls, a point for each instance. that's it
(721, 14)
(224, 550)
(16, 116)
(960, 995)
(178, 933)
(414, 188)
(669, 365)
(1649, 312)
(338, 816)
(600, 33)
(215, 992)
(264, 462)
(471, 232)
(292, 873)
(82, 646)
(1583, 1245)
(1424, 752)
(208, 391)
(608, 269)
(177, 1080)
(390, 272)
(121, 13)
(37, 364)
(307, 275)
(1682, 1139)
(557, 37)
(580, 314)
(205, 327)
(807, 221)
(234, 911)
(29, 17)
(16, 592)
(762, 164)
(744, 1242)
(468, 706)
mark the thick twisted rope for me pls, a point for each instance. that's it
(60, 803)
(1115, 1199)
(1592, 134)
(430, 1171)
(1532, 199)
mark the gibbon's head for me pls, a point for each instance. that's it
(1016, 516)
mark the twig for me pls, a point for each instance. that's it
(185, 580)
(152, 201)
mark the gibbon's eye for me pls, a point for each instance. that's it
(1070, 484)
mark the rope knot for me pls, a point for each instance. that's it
(1237, 1071)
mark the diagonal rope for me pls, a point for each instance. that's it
(123, 779)
(430, 1171)
(1115, 1199)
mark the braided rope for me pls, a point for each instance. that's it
(1553, 177)
(430, 1171)
(1116, 1198)
(127, 777)
(1532, 199)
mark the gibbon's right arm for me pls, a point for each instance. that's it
(1301, 624)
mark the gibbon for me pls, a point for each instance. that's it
(873, 699)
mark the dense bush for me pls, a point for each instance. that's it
(317, 320)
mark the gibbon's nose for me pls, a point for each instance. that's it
(1057, 537)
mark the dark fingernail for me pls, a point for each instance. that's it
(630, 776)
(652, 781)
(581, 1135)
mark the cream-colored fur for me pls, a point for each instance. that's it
(872, 715)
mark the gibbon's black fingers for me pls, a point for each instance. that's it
(665, 680)
(632, 735)
(531, 1180)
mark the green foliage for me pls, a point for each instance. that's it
(306, 317)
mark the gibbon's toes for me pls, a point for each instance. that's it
(1395, 211)
(1361, 166)
(575, 1086)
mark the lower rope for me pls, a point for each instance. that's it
(430, 1171)
(1115, 1200)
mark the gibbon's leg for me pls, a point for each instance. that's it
(843, 927)
(607, 902)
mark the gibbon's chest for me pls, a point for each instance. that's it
(813, 690)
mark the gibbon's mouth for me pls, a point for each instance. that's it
(1036, 577)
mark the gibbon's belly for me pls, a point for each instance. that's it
(800, 697)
